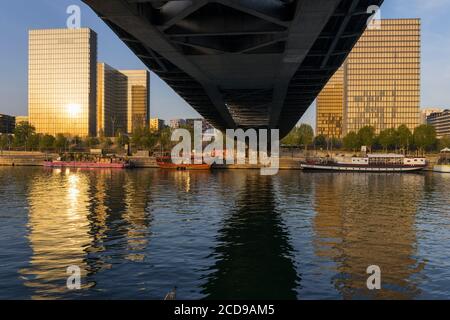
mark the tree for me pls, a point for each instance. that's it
(305, 135)
(425, 137)
(107, 143)
(91, 142)
(444, 142)
(352, 141)
(405, 137)
(6, 140)
(23, 133)
(137, 136)
(46, 142)
(388, 139)
(122, 139)
(165, 138)
(291, 139)
(367, 136)
(60, 142)
(33, 142)
(149, 140)
(320, 141)
(336, 143)
(77, 141)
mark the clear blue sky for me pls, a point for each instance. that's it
(18, 16)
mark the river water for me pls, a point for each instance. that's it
(223, 235)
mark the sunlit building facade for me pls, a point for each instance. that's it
(62, 81)
(330, 107)
(111, 101)
(21, 119)
(382, 77)
(137, 85)
(381, 81)
(156, 124)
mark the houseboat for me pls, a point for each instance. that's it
(88, 162)
(369, 163)
(443, 164)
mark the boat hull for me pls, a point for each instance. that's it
(442, 168)
(89, 165)
(343, 168)
(171, 166)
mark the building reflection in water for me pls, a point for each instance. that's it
(58, 231)
(358, 224)
(85, 218)
(254, 256)
(137, 216)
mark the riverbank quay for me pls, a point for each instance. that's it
(24, 158)
(287, 161)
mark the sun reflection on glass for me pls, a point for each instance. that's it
(73, 109)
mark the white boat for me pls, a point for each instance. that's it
(443, 164)
(370, 163)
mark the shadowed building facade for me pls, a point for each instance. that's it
(7, 124)
(62, 81)
(380, 81)
(122, 100)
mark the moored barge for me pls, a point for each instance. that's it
(89, 163)
(370, 163)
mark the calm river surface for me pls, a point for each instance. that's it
(226, 234)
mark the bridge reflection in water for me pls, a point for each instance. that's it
(253, 258)
(223, 234)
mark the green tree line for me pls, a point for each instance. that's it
(25, 138)
(422, 139)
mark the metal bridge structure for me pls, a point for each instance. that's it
(241, 63)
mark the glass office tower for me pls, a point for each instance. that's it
(382, 77)
(111, 101)
(62, 81)
(138, 99)
(330, 107)
(381, 82)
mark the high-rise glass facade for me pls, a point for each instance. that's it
(62, 81)
(382, 77)
(330, 104)
(381, 80)
(111, 101)
(138, 99)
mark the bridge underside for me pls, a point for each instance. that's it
(241, 63)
